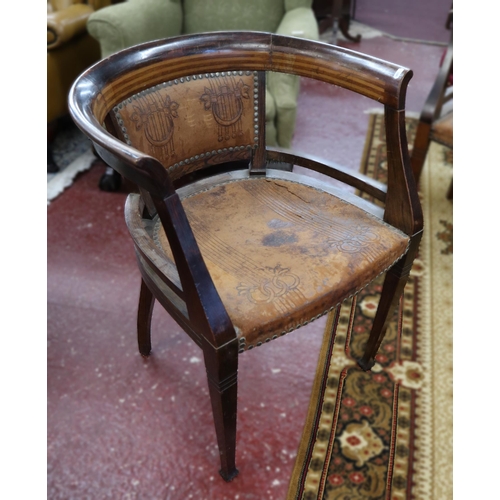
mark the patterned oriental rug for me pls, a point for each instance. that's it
(387, 434)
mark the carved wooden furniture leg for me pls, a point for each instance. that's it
(144, 314)
(222, 374)
(344, 28)
(341, 18)
(420, 148)
(394, 284)
(110, 181)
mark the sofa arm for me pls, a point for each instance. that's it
(125, 24)
(299, 22)
(65, 24)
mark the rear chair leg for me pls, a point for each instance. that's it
(394, 284)
(420, 148)
(222, 374)
(144, 314)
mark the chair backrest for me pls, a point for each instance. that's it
(187, 103)
(436, 118)
(440, 98)
(193, 119)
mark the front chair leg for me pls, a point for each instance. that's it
(394, 284)
(144, 314)
(222, 375)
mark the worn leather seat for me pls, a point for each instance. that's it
(288, 257)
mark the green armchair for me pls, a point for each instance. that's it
(135, 21)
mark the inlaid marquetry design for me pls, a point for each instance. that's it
(193, 121)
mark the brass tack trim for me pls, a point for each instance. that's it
(330, 308)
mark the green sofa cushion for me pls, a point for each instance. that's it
(295, 4)
(256, 15)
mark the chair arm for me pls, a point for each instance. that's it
(65, 24)
(299, 22)
(436, 97)
(125, 24)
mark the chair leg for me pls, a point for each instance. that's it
(222, 375)
(110, 181)
(394, 284)
(420, 147)
(144, 315)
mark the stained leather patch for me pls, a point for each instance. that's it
(281, 253)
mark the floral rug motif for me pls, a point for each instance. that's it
(387, 434)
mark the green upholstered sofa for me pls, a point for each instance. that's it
(123, 25)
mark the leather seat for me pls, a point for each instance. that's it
(277, 257)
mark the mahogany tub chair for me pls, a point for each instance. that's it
(436, 119)
(240, 253)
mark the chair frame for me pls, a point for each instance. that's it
(440, 95)
(201, 313)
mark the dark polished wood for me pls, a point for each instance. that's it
(436, 118)
(144, 314)
(171, 171)
(392, 290)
